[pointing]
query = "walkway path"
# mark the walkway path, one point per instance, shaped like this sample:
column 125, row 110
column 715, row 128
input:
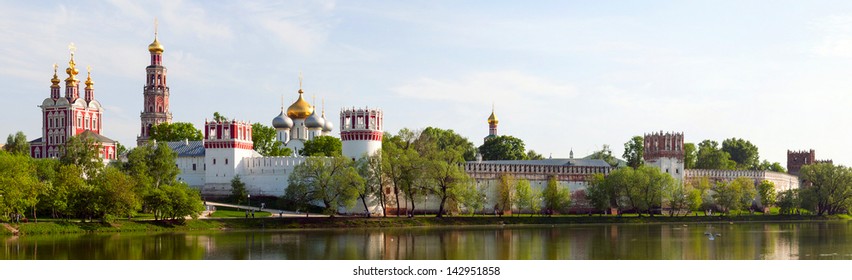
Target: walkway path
column 10, row 228
column 275, row 212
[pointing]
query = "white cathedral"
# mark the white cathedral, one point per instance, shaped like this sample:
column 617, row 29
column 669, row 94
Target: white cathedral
column 227, row 151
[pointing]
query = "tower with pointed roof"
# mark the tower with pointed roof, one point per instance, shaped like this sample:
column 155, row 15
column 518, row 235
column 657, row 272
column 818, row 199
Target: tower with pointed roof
column 155, row 94
column 70, row 115
column 492, row 124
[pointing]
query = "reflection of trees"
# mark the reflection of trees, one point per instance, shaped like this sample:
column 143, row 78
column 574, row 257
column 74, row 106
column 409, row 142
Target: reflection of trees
column 808, row 240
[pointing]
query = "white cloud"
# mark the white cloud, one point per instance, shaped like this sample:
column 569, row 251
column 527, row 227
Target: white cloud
column 506, row 87
column 835, row 33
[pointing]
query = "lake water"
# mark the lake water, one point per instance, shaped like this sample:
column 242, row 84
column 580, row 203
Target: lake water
column 739, row 241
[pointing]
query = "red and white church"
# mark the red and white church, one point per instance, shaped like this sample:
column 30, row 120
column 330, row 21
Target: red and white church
column 71, row 115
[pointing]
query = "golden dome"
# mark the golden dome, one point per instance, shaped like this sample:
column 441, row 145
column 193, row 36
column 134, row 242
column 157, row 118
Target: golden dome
column 89, row 81
column 492, row 119
column 156, row 47
column 55, row 81
column 300, row 109
column 72, row 72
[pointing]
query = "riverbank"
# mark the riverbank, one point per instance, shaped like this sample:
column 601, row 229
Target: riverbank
column 62, row 227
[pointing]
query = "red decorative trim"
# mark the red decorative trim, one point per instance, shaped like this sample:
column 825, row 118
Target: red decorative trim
column 361, row 135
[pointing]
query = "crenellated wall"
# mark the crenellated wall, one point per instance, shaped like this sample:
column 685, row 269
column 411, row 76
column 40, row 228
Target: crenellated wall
column 782, row 181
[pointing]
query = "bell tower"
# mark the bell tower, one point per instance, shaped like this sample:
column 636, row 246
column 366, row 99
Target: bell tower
column 155, row 93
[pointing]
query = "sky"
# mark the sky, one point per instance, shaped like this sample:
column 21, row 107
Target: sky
column 561, row 75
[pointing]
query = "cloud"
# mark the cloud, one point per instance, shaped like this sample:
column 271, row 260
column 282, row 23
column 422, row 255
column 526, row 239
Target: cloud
column 836, row 36
column 501, row 86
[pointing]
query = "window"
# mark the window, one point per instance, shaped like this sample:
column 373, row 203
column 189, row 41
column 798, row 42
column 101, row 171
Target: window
column 226, row 161
column 193, row 167
column 86, row 124
column 214, row 161
column 79, row 120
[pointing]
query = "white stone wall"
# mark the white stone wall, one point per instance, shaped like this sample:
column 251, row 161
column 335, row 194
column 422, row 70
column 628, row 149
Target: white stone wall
column 671, row 166
column 268, row 175
column 358, row 148
column 193, row 178
column 782, row 181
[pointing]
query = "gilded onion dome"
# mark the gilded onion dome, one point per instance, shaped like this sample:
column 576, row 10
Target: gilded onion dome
column 314, row 121
column 55, row 81
column 89, row 82
column 300, row 109
column 72, row 72
column 156, row 47
column 493, row 119
column 282, row 121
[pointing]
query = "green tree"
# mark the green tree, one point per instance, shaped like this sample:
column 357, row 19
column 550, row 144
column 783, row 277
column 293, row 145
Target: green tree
column 265, row 142
column 599, row 192
column 115, row 194
column 532, row 155
column 505, row 193
column 689, row 155
column 527, row 198
column 82, row 152
column 743, row 152
column 766, row 192
column 239, row 194
column 726, row 196
column 523, row 195
column 120, row 149
column 322, row 146
column 788, row 201
column 709, row 156
column 699, row 196
column 445, row 139
column 444, row 175
column 334, row 182
column 67, row 184
column 472, row 197
column 19, row 184
column 503, row 147
column 677, row 197
column 605, row 154
column 830, row 189
column 370, row 169
column 748, row 193
column 775, row 166
column 735, row 195
column 555, row 197
column 399, row 165
column 634, row 151
column 17, row 144
column 179, row 131
column 219, row 118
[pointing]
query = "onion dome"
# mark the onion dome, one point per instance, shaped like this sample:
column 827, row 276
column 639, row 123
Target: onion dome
column 55, row 81
column 89, row 82
column 156, row 47
column 72, row 72
column 282, row 121
column 493, row 119
column 327, row 126
column 300, row 109
column 314, row 121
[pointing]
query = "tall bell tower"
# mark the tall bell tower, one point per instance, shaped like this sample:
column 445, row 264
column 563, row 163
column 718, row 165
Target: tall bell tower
column 155, row 93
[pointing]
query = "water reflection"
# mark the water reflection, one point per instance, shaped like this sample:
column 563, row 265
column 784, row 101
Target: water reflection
column 818, row 240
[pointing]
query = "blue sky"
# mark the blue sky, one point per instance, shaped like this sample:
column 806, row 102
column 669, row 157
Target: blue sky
column 563, row 75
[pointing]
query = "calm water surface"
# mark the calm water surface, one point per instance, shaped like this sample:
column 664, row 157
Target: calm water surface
column 741, row 241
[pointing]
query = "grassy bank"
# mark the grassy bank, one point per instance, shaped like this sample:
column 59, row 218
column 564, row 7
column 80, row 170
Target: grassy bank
column 59, row 227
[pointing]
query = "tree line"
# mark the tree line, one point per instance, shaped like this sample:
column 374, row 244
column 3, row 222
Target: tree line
column 77, row 185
